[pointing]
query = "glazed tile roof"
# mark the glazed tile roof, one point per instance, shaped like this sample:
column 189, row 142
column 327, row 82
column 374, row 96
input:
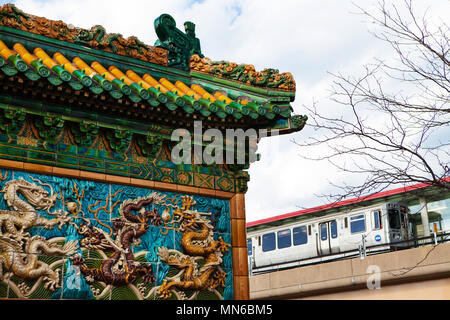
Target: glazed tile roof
column 35, row 63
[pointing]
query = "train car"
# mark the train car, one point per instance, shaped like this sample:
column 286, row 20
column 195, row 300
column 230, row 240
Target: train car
column 314, row 239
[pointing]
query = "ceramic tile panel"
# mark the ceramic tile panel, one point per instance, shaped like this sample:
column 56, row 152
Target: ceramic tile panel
column 65, row 238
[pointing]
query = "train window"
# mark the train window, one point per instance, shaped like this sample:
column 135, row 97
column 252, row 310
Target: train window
column 334, row 232
column 268, row 242
column 324, row 232
column 358, row 224
column 300, row 236
column 394, row 219
column 309, row 230
column 346, row 222
column 284, row 239
column 249, row 247
column 377, row 220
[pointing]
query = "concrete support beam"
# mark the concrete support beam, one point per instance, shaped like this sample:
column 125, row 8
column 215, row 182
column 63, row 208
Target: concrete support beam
column 424, row 216
column 424, row 263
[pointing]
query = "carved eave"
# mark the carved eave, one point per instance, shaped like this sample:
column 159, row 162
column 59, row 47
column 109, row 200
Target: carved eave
column 284, row 123
column 268, row 105
column 93, row 108
column 74, row 95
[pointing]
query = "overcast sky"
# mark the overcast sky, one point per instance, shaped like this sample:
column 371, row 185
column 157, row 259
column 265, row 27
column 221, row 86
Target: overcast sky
column 308, row 38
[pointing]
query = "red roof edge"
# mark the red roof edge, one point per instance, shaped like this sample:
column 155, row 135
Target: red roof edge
column 341, row 203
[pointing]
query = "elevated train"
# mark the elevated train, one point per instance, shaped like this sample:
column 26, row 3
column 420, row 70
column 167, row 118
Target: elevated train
column 315, row 239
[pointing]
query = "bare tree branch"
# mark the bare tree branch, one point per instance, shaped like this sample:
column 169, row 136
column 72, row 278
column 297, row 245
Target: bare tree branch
column 388, row 137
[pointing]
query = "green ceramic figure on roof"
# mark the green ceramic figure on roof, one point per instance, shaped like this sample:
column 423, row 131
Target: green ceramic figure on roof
column 180, row 46
column 194, row 42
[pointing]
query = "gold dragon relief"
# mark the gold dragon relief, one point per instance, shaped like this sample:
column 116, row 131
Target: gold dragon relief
column 200, row 261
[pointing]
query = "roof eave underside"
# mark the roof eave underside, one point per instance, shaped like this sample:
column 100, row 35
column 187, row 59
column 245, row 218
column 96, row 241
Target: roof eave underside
column 260, row 97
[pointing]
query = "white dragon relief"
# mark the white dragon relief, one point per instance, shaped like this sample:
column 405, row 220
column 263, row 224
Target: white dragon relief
column 19, row 252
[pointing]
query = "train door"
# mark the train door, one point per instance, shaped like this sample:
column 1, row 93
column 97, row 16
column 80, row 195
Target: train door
column 398, row 222
column 250, row 255
column 328, row 238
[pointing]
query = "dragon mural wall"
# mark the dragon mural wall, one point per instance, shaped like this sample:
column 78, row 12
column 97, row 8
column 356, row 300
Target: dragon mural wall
column 63, row 238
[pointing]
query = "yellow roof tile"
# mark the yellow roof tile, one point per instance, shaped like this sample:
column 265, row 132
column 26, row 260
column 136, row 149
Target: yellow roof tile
column 24, row 54
column 130, row 83
column 180, row 85
column 102, row 71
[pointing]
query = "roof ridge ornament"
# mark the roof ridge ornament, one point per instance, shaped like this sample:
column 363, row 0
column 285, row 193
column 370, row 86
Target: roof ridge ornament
column 245, row 73
column 180, row 46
